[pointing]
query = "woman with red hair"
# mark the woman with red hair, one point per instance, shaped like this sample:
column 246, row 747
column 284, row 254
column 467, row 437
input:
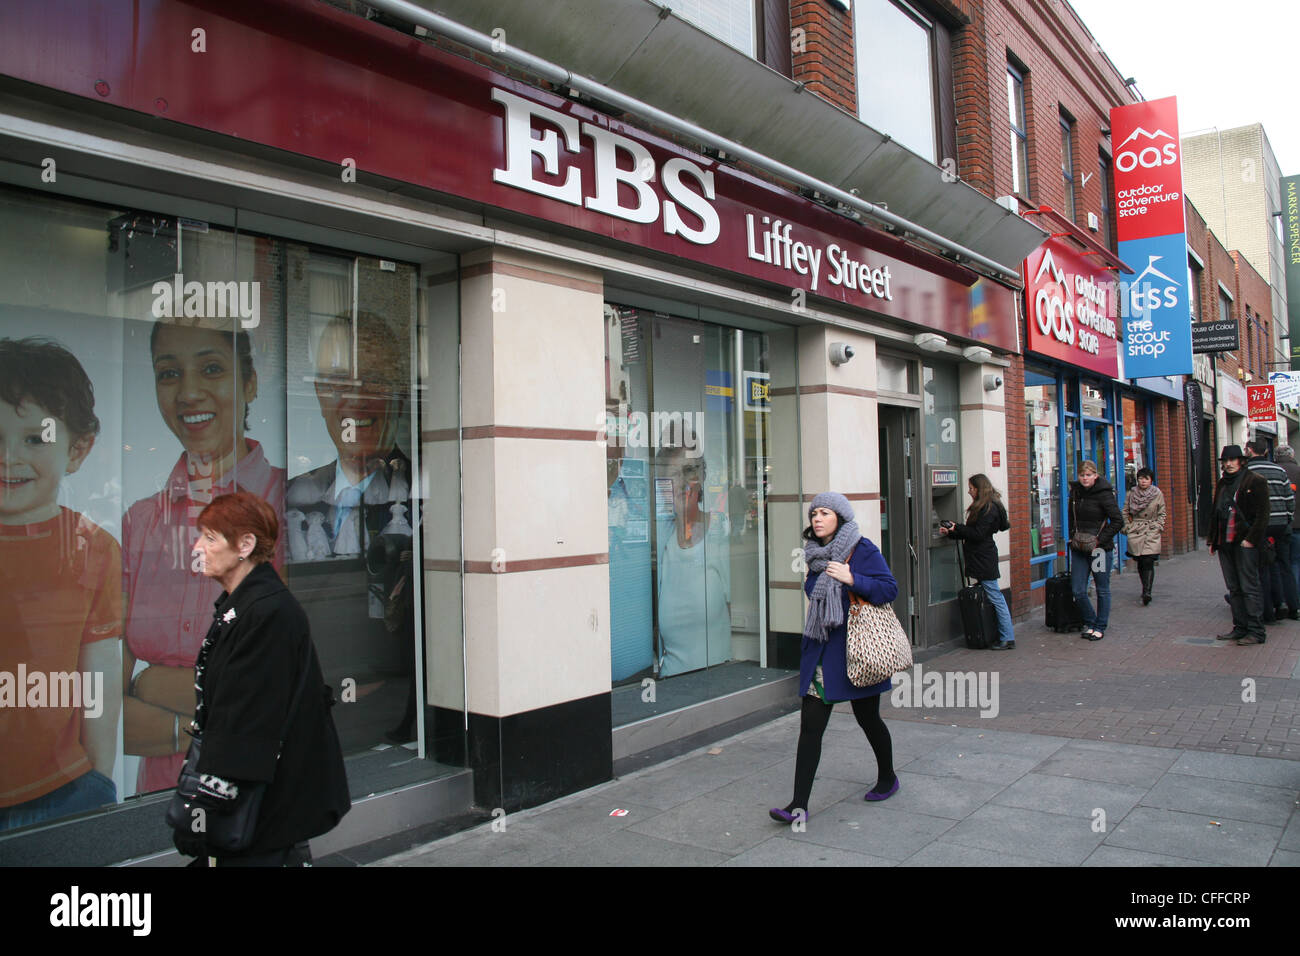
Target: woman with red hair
column 262, row 708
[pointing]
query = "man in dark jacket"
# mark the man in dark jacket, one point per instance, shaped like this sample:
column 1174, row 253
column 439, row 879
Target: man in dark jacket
column 1238, row 527
column 1285, row 456
column 1274, row 589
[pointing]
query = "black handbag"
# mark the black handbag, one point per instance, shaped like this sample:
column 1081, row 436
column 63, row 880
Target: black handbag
column 222, row 829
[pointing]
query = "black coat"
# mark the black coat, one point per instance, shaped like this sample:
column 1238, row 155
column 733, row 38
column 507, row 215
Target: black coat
column 981, row 552
column 1253, row 506
column 1095, row 511
column 249, row 679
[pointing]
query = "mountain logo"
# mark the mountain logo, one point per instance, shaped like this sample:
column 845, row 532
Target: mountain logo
column 1149, row 156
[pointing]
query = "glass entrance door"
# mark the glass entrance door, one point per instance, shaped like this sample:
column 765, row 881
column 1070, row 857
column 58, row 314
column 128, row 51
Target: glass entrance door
column 898, row 523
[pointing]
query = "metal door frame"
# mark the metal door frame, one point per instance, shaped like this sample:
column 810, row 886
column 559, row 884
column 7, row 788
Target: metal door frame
column 898, row 474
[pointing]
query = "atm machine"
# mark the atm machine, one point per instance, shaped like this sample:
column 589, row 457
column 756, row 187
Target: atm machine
column 944, row 502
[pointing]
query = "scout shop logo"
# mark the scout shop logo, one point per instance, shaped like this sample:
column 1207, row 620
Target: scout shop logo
column 1144, row 297
column 1149, row 156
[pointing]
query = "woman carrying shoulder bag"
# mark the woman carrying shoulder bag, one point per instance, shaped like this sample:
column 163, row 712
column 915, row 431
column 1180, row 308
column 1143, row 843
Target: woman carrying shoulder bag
column 265, row 767
column 985, row 517
column 1095, row 519
column 839, row 560
column 1144, row 523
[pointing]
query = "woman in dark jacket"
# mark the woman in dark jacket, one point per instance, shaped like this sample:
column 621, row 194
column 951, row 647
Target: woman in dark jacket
column 839, row 559
column 1094, row 514
column 985, row 517
column 257, row 662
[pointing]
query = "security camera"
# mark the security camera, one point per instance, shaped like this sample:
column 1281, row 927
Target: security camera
column 841, row 352
column 992, row 383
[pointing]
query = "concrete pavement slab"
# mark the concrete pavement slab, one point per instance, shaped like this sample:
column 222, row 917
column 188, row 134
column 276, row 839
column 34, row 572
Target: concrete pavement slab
column 1231, row 799
column 873, row 829
column 627, row 848
column 781, row 851
column 1106, row 855
column 1285, row 858
column 1120, row 767
column 936, row 796
column 943, row 853
column 712, row 824
column 1195, row 836
column 951, row 760
column 1053, row 837
column 1271, row 773
column 1078, row 799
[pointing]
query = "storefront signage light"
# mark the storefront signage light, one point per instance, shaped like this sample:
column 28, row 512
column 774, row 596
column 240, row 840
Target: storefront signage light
column 1149, row 206
column 413, row 113
column 1071, row 309
column 1261, row 403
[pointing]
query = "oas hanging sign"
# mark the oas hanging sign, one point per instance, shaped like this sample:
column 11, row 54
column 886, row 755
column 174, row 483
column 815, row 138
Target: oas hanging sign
column 1155, row 308
column 1071, row 309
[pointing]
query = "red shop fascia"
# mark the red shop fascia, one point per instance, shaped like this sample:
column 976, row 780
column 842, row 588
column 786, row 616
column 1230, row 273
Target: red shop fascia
column 1072, row 298
column 300, row 76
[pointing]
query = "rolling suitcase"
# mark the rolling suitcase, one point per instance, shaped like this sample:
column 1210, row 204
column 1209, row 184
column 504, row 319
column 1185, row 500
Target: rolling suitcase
column 1062, row 613
column 978, row 618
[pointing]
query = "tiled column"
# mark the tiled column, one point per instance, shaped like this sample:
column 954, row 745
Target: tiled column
column 535, row 528
column 983, row 436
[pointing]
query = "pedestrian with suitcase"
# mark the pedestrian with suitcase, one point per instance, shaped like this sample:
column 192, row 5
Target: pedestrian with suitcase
column 985, row 517
column 1144, row 524
column 839, row 560
column 1095, row 519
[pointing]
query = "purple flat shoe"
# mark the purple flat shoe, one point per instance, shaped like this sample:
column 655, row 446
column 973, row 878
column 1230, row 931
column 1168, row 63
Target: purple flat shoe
column 872, row 795
column 784, row 816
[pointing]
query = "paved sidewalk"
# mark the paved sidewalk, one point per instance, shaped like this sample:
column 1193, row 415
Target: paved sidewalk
column 1144, row 749
column 967, row 798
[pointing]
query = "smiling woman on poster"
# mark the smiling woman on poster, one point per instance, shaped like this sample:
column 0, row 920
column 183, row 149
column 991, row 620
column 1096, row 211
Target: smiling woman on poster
column 203, row 381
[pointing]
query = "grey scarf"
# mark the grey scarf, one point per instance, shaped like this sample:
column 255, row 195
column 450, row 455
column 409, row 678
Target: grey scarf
column 826, row 605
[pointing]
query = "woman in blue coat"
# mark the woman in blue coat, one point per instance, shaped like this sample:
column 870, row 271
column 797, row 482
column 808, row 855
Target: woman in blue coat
column 839, row 559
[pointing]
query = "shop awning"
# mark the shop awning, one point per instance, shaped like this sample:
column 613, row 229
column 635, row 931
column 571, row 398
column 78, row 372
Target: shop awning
column 639, row 49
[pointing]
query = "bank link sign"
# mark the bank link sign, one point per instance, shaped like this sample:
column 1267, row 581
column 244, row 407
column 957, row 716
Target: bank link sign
column 1156, row 311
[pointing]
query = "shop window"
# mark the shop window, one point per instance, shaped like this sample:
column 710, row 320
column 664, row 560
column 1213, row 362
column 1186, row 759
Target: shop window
column 896, row 72
column 1194, row 273
column 1019, row 131
column 731, row 21
column 894, row 373
column 175, row 361
column 1042, row 421
column 689, row 452
column 1136, row 451
column 1107, row 201
column 1067, row 165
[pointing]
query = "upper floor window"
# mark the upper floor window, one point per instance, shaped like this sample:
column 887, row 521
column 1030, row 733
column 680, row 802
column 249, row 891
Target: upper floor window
column 731, row 21
column 1193, row 284
column 1019, row 132
column 1225, row 307
column 1067, row 165
column 895, row 65
column 1103, row 180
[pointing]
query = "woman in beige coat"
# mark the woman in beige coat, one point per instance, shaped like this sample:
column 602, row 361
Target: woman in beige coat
column 1144, row 523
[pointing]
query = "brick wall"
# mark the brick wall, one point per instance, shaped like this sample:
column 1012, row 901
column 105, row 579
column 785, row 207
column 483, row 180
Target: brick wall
column 1017, row 491
column 822, row 52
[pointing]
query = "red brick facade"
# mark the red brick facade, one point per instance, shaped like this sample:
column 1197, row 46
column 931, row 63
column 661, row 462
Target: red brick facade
column 821, row 46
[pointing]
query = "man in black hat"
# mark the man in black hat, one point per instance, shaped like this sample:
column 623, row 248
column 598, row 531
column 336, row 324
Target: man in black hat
column 1237, row 532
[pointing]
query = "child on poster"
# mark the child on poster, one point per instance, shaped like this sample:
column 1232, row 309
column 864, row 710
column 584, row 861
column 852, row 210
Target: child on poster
column 60, row 597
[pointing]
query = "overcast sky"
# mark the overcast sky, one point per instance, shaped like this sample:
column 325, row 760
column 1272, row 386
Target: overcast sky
column 1222, row 61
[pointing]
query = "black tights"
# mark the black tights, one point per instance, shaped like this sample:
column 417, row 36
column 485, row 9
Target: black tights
column 813, row 719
